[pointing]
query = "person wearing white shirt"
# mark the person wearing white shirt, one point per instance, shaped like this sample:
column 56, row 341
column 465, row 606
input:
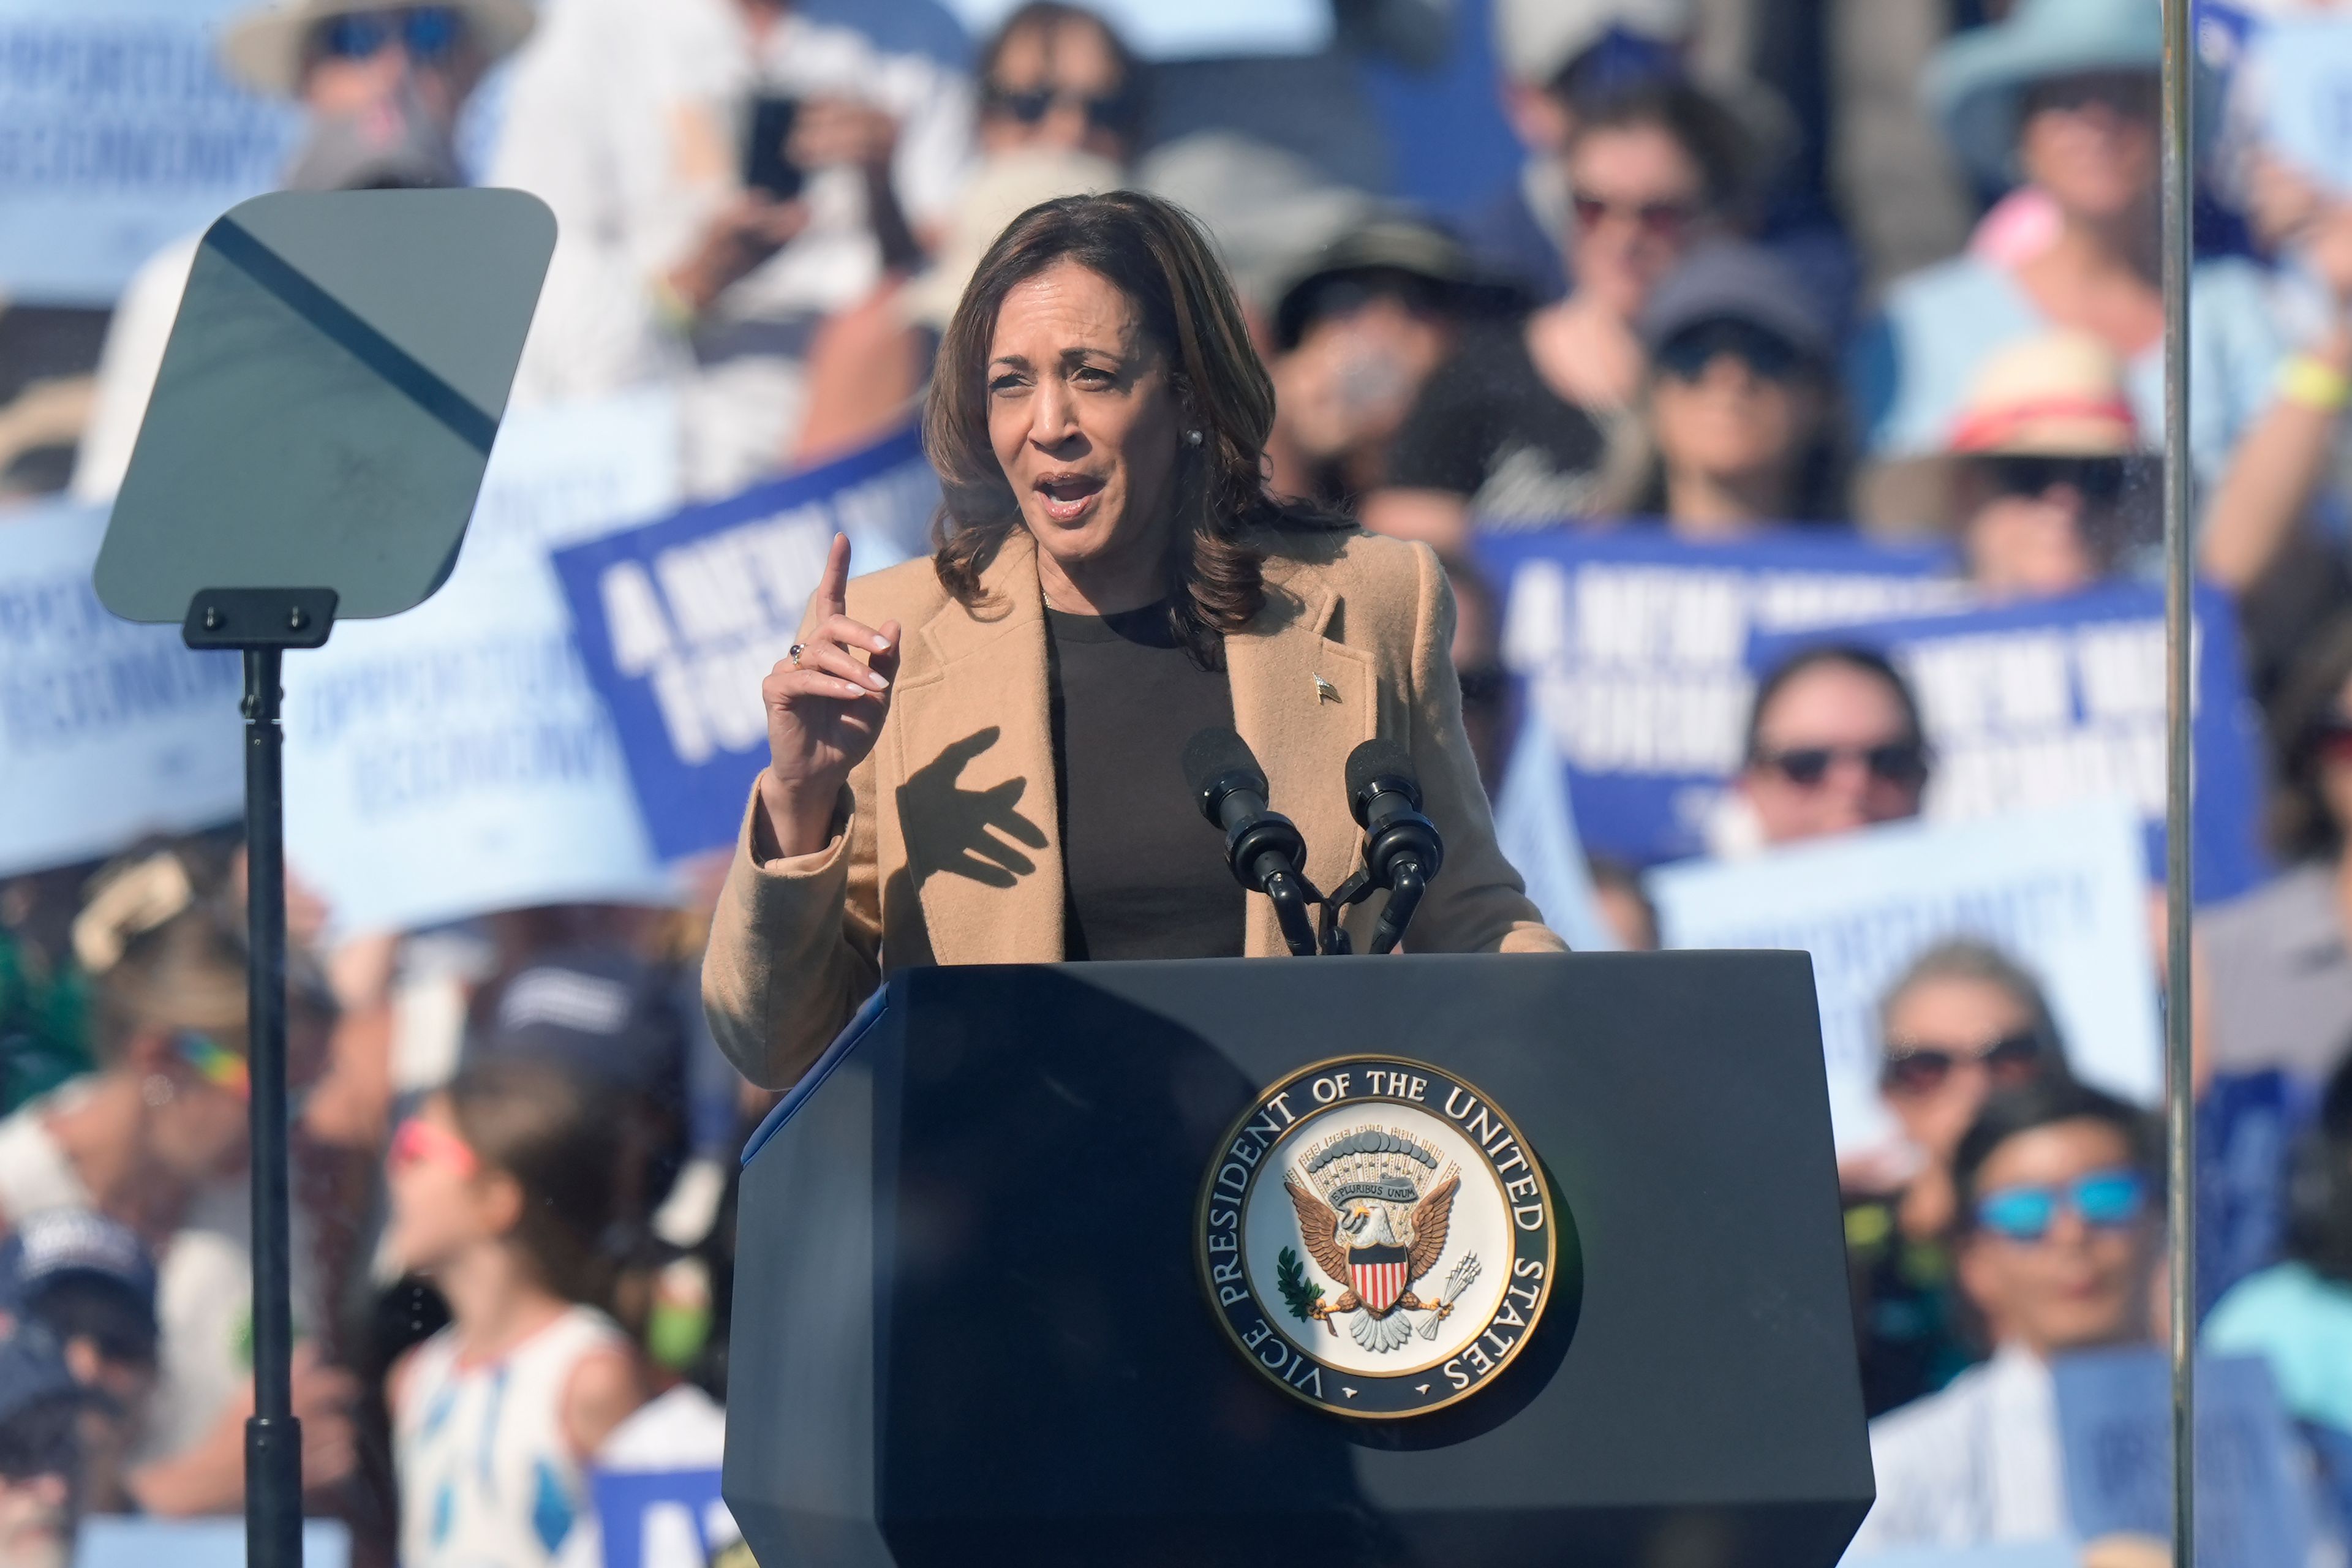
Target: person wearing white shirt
column 630, row 121
column 383, row 82
column 2058, row 1249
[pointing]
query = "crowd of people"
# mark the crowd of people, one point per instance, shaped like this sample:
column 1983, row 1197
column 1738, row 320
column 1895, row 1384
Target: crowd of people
column 1904, row 278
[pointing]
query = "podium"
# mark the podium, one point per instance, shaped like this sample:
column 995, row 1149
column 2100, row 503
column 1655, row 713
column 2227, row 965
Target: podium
column 973, row 1320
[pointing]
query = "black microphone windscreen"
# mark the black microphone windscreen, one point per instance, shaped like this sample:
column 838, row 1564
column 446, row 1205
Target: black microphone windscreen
column 1377, row 760
column 1217, row 752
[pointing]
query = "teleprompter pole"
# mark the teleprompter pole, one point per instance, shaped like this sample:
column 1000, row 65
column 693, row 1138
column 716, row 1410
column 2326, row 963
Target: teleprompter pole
column 273, row 1437
column 260, row 624
column 2180, row 1125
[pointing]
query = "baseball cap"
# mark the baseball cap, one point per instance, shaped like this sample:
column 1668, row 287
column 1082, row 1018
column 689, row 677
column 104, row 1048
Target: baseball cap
column 603, row 1014
column 72, row 1247
column 1739, row 282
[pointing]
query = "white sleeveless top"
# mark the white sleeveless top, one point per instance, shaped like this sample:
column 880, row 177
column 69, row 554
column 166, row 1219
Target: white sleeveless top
column 487, row 1477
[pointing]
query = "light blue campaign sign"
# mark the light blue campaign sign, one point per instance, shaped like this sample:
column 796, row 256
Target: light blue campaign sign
column 117, row 1541
column 452, row 760
column 108, row 729
column 2062, row 892
column 2042, row 702
column 2005, row 1554
column 1634, row 647
column 681, row 620
column 2299, row 69
column 118, row 134
column 2115, row 1433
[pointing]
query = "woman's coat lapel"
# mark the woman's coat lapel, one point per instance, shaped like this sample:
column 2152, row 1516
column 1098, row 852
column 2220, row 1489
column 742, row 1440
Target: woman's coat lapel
column 971, row 757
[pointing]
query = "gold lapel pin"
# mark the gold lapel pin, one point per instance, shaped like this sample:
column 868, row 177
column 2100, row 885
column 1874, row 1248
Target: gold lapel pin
column 1324, row 691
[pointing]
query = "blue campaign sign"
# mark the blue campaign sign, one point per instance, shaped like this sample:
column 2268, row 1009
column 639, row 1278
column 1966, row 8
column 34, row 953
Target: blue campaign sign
column 1633, row 647
column 2044, row 702
column 118, row 134
column 2247, row 1124
column 661, row 1519
column 2114, row 1435
column 680, row 620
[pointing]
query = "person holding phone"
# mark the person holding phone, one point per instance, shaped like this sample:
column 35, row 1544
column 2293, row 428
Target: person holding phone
column 726, row 175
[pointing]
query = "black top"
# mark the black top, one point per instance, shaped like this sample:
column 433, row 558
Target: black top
column 1145, row 871
column 1489, row 428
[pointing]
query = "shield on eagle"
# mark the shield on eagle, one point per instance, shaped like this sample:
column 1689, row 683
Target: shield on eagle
column 1379, row 1274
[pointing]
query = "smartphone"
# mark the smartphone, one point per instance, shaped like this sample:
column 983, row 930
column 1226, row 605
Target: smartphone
column 765, row 166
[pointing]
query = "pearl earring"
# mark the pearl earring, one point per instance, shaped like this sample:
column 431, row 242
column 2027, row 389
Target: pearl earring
column 1192, row 437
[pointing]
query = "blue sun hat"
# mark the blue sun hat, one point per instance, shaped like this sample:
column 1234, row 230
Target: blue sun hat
column 1974, row 86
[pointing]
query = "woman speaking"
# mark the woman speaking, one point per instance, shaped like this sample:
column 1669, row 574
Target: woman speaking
column 975, row 758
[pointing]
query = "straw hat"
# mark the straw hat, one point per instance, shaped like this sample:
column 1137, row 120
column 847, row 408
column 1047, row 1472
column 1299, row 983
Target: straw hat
column 1002, row 190
column 1975, row 85
column 2061, row 396
column 263, row 47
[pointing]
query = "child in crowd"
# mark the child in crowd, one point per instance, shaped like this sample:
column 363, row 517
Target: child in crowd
column 502, row 1190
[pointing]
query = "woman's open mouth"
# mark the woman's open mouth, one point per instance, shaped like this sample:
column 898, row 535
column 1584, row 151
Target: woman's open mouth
column 1067, row 496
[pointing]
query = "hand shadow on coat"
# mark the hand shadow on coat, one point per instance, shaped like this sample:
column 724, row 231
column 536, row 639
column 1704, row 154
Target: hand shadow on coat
column 955, row 823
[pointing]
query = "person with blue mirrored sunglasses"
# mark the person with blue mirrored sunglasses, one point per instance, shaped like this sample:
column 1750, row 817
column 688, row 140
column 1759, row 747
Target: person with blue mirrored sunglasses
column 2103, row 1200
column 2059, row 1227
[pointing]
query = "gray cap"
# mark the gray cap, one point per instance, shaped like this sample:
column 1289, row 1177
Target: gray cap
column 1739, row 282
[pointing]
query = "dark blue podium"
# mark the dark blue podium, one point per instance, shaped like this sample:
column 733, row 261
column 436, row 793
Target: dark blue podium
column 971, row 1327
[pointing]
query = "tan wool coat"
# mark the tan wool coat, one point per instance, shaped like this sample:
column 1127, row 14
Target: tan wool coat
column 946, row 849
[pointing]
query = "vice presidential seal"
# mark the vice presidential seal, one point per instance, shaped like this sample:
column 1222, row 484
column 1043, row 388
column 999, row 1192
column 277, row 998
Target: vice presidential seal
column 1376, row 1237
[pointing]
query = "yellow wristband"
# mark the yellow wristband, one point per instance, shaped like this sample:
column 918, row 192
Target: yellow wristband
column 2310, row 382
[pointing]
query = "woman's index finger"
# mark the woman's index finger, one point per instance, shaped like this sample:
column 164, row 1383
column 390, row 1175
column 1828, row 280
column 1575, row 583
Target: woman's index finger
column 832, row 588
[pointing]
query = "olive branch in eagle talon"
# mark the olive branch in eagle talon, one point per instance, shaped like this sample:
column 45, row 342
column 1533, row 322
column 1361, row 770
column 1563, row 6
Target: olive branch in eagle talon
column 1329, row 1238
column 1299, row 1292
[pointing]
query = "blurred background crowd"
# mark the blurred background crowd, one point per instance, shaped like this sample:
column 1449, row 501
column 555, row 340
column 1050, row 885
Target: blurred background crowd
column 1717, row 272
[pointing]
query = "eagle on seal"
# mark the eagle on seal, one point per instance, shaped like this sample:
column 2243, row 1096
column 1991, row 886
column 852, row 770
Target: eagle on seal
column 1354, row 1249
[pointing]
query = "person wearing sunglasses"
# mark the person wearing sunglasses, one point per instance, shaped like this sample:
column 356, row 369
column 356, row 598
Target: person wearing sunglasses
column 1514, row 428
column 1061, row 112
column 1058, row 76
column 2060, row 1217
column 1963, row 1022
column 2052, row 481
column 155, row 1139
column 1835, row 743
column 1735, row 414
column 2057, row 103
column 380, row 85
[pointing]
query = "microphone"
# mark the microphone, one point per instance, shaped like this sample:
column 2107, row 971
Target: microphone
column 1402, row 849
column 1262, row 848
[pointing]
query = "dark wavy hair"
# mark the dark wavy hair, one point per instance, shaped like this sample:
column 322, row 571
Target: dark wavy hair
column 1155, row 254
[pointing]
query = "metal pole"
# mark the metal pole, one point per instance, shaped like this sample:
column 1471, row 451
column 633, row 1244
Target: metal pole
column 2181, row 1204
column 273, row 1438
